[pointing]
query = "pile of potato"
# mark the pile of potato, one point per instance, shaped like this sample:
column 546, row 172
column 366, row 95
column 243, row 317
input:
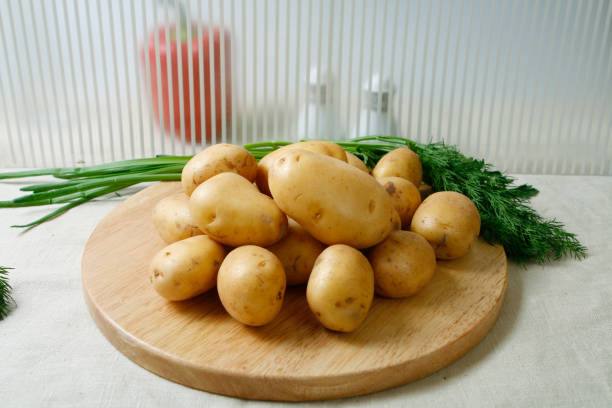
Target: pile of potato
column 306, row 213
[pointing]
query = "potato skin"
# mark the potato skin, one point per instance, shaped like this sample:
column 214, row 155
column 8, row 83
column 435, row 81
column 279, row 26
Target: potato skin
column 186, row 268
column 403, row 264
column 330, row 149
column 318, row 146
column 405, row 196
column 251, row 285
column 356, row 162
column 297, row 251
column 263, row 168
column 341, row 288
column 449, row 221
column 231, row 210
column 172, row 219
column 396, row 221
column 401, row 162
column 335, row 202
column 215, row 159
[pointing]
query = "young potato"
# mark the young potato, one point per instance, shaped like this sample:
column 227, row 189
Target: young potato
column 215, row 159
column 403, row 264
column 263, row 168
column 341, row 288
column 330, row 149
column 172, row 218
column 318, row 146
column 297, row 252
column 251, row 285
column 356, row 162
column 186, row 268
column 406, row 197
column 396, row 222
column 426, row 190
column 449, row 221
column 232, row 211
column 401, row 162
column 335, row 202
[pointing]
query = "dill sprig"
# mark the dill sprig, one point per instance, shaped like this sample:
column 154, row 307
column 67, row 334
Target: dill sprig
column 506, row 216
column 6, row 300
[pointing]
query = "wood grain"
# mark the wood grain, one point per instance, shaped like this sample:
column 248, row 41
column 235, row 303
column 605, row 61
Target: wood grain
column 196, row 343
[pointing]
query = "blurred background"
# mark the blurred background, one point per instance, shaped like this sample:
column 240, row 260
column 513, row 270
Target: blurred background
column 525, row 84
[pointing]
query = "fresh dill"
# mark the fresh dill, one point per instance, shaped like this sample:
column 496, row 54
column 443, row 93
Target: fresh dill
column 7, row 303
column 506, row 216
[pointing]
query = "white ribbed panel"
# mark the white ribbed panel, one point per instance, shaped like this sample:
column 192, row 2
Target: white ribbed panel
column 307, row 74
column 191, row 82
column 222, row 51
column 116, row 83
column 402, row 82
column 424, row 68
column 10, row 132
column 234, row 137
column 73, row 84
column 265, row 40
column 275, row 68
column 373, row 48
column 211, row 55
column 139, row 93
column 146, row 75
column 245, row 118
column 358, row 87
column 17, row 61
column 181, row 101
column 169, row 80
column 526, row 84
column 297, row 69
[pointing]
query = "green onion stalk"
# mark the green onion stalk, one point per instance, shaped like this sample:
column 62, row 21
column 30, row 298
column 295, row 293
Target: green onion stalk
column 504, row 208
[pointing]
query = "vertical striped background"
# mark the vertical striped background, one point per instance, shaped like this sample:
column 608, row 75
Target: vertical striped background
column 526, row 84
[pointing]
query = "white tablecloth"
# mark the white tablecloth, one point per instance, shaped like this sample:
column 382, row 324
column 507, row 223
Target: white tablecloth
column 551, row 346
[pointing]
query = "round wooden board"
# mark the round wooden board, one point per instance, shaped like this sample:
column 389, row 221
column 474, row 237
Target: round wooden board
column 196, row 343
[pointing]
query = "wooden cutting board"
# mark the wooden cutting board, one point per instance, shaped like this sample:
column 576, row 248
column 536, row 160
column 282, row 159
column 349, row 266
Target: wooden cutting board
column 196, row 343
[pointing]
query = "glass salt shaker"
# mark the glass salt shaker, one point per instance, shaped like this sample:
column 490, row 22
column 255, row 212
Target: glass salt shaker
column 376, row 116
column 319, row 119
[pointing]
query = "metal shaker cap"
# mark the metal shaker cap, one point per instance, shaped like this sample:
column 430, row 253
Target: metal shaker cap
column 319, row 86
column 384, row 87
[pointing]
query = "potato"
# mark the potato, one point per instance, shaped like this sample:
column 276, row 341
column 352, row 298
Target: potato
column 449, row 221
column 335, row 202
column 172, row 218
column 401, row 162
column 426, row 190
column 218, row 158
column 330, row 149
column 405, row 196
column 232, row 211
column 186, row 268
column 403, row 264
column 397, row 221
column 251, row 285
column 341, row 288
column 263, row 167
column 297, row 252
column 318, row 146
column 356, row 162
